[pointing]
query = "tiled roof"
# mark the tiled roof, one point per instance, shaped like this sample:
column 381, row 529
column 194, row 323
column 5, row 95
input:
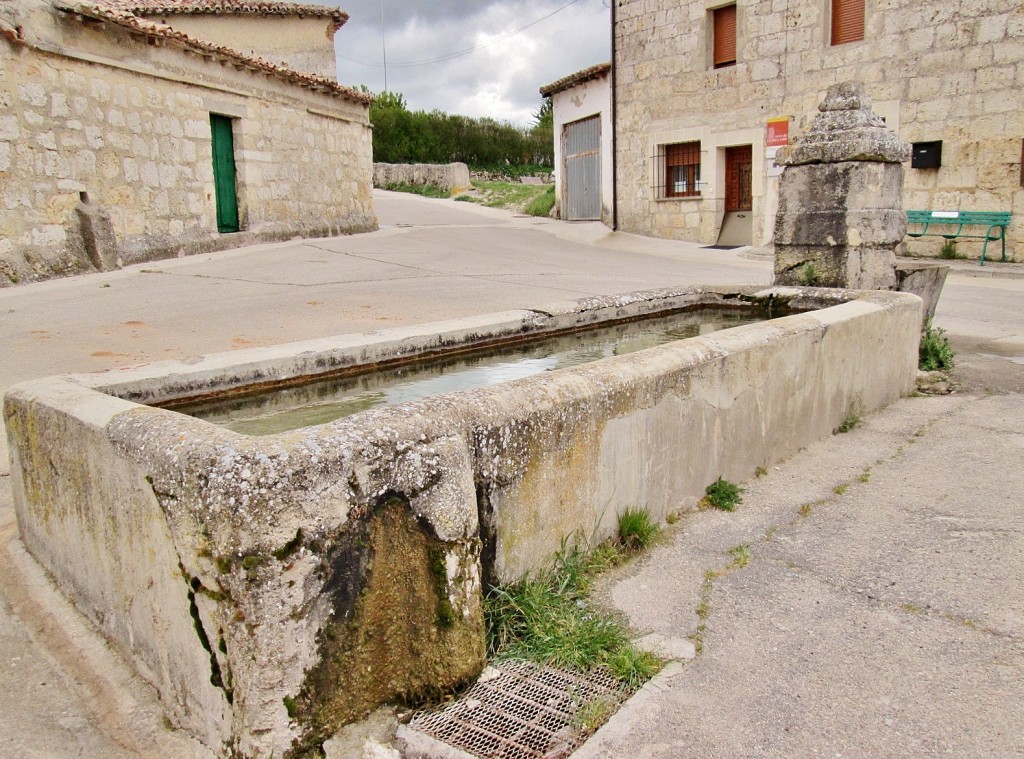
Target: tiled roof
column 238, row 7
column 105, row 11
column 567, row 82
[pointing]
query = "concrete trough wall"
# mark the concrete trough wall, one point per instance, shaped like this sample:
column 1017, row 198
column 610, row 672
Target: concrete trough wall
column 235, row 572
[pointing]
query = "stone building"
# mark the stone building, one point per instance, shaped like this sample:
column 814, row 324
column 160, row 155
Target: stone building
column 131, row 131
column 705, row 90
column 581, row 111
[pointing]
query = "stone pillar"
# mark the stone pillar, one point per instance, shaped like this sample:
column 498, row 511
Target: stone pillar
column 840, row 212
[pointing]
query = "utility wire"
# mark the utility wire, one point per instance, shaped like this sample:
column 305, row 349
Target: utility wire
column 467, row 51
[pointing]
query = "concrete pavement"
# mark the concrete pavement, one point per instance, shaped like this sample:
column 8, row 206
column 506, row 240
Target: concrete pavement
column 808, row 636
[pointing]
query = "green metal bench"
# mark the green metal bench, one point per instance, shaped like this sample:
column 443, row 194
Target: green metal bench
column 995, row 223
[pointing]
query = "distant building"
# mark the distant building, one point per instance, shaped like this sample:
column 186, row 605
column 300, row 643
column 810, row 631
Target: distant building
column 131, row 131
column 581, row 107
column 704, row 90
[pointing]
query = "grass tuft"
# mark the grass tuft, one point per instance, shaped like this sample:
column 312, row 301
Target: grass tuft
column 636, row 529
column 542, row 204
column 426, row 190
column 546, row 618
column 948, row 250
column 723, row 495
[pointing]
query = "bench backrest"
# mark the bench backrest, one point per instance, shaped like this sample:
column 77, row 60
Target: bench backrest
column 959, row 217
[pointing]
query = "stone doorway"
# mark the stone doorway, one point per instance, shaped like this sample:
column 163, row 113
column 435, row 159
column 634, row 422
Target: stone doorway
column 737, row 224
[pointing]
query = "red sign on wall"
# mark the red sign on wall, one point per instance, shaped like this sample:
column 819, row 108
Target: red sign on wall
column 778, row 132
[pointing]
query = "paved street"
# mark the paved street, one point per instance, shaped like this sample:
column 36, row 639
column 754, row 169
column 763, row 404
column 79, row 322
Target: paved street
column 860, row 629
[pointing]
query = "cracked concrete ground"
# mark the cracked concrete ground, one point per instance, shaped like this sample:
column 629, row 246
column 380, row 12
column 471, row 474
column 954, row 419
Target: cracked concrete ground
column 886, row 621
column 881, row 612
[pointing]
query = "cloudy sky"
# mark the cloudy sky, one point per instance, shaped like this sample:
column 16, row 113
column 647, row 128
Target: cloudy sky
column 426, row 43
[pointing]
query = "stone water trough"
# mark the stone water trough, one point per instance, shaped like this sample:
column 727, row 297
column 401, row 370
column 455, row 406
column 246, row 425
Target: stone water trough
column 273, row 588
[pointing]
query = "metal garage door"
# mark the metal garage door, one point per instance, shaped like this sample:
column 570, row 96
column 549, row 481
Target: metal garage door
column 581, row 146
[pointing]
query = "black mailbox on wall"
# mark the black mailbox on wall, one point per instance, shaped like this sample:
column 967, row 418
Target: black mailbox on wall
column 926, row 155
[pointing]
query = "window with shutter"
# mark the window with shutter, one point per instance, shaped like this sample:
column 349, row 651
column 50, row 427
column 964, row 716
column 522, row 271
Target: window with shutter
column 682, row 170
column 725, row 36
column 847, row 21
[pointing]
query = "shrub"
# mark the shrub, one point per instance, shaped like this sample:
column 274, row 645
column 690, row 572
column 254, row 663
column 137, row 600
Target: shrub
column 935, row 352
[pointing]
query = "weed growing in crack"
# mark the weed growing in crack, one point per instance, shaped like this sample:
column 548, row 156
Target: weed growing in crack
column 841, row 488
column 934, row 353
column 740, row 556
column 723, row 495
column 809, row 275
column 593, row 714
column 854, row 417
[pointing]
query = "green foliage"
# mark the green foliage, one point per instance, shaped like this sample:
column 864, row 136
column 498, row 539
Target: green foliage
column 426, row 190
column 636, row 529
column 740, row 556
column 542, row 204
column 949, row 251
column 508, row 194
column 852, row 421
column 404, row 136
column 290, row 706
column 546, row 618
column 935, row 352
column 724, row 495
column 808, row 275
column 593, row 714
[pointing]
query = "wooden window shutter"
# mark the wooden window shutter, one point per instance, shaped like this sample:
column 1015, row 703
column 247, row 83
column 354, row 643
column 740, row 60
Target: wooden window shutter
column 847, row 21
column 725, row 36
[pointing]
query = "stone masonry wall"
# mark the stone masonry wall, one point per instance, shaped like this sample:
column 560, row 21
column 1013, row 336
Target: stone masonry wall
column 449, row 177
column 950, row 70
column 87, row 114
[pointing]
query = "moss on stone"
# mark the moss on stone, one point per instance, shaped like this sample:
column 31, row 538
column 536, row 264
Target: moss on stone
column 379, row 646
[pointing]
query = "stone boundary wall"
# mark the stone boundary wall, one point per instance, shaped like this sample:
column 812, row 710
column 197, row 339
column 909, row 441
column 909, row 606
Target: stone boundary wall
column 215, row 562
column 104, row 118
column 452, row 178
column 949, row 70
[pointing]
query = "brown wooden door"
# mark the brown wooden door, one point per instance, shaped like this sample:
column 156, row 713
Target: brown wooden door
column 739, row 165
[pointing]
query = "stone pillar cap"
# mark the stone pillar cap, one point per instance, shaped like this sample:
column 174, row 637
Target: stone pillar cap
column 845, row 129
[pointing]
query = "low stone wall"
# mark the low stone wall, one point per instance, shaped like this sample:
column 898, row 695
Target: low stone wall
column 449, row 177
column 233, row 572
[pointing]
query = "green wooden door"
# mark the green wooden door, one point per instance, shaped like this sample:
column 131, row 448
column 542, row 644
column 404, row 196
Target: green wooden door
column 224, row 173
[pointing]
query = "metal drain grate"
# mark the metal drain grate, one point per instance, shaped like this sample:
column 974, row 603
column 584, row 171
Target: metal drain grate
column 526, row 711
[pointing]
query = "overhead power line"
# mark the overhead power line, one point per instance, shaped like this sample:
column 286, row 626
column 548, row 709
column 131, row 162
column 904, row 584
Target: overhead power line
column 466, row 51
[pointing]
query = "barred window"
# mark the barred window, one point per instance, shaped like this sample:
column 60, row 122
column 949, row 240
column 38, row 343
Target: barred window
column 677, row 170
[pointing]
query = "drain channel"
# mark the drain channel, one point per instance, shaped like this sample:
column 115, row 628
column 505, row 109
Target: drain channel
column 525, row 711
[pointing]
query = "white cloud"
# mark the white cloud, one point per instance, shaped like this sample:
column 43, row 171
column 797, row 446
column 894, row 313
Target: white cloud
column 500, row 80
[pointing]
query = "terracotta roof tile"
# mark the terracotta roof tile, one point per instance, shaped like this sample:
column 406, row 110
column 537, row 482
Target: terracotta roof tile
column 567, row 82
column 106, row 11
column 240, row 7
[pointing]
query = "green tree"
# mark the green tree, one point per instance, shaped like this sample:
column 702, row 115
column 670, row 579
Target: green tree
column 404, row 136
